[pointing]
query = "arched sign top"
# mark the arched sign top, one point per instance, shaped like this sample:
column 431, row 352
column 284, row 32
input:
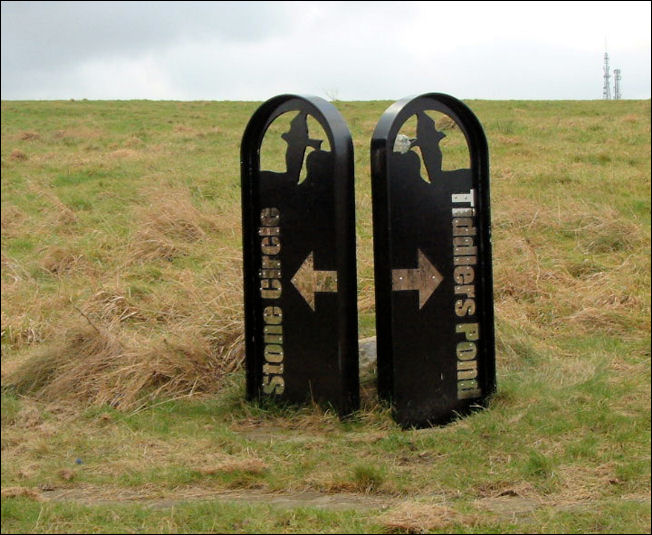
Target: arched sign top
column 391, row 121
column 339, row 137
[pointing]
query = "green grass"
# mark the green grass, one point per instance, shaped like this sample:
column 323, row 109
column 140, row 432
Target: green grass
column 22, row 516
column 122, row 321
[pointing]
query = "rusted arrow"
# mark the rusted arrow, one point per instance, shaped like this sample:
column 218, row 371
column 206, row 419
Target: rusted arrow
column 425, row 278
column 308, row 281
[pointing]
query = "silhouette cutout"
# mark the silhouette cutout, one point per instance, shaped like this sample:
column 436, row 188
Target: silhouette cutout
column 298, row 142
column 427, row 140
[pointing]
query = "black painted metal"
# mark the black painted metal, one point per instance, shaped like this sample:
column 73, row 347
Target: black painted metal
column 309, row 228
column 418, row 333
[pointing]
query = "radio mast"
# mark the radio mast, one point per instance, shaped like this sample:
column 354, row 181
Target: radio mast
column 617, row 94
column 606, row 89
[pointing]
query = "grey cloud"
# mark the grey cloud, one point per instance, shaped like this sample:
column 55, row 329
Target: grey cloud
column 52, row 35
column 356, row 50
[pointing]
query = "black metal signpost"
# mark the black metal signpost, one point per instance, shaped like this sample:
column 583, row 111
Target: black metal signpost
column 432, row 249
column 299, row 259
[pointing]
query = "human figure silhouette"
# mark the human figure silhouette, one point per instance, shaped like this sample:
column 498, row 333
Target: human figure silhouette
column 298, row 140
column 428, row 140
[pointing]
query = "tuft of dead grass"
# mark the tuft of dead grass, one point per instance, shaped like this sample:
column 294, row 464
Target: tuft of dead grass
column 168, row 226
column 508, row 140
column 171, row 226
column 60, row 260
column 181, row 221
column 598, row 319
column 107, row 366
column 110, row 304
column 579, row 483
column 133, row 141
column 17, row 333
column 183, row 129
column 66, row 474
column 498, row 489
column 120, row 154
column 62, row 215
column 81, row 133
column 11, row 218
column 150, row 244
column 412, row 517
column 29, row 136
column 12, row 270
column 605, row 232
column 446, row 123
column 28, row 417
column 245, row 466
column 20, row 492
column 18, row 155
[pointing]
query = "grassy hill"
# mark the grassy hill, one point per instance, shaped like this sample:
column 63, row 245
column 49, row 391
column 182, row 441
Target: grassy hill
column 122, row 380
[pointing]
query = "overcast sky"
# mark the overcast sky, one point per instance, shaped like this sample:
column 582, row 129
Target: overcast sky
column 343, row 50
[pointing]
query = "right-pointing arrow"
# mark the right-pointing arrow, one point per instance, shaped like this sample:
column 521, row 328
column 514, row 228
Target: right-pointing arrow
column 425, row 278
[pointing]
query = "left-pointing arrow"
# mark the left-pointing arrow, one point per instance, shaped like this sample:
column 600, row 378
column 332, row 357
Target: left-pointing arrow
column 308, row 281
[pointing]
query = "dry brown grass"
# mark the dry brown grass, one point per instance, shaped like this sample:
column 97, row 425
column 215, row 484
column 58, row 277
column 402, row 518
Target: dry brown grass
column 22, row 492
column 580, row 483
column 181, row 128
column 104, row 365
column 114, row 303
column 123, row 153
column 168, row 225
column 105, row 344
column 17, row 155
column 60, row 260
column 246, row 466
column 79, row 132
column 66, row 474
column 498, row 489
column 604, row 232
column 420, row 518
column 61, row 217
column 29, row 136
column 594, row 296
column 99, row 338
column 12, row 217
column 25, row 318
column 151, row 244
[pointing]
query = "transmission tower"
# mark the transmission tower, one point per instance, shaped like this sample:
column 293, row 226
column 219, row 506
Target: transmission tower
column 617, row 95
column 606, row 89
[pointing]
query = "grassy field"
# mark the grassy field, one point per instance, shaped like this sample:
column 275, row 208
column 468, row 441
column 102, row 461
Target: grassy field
column 122, row 383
